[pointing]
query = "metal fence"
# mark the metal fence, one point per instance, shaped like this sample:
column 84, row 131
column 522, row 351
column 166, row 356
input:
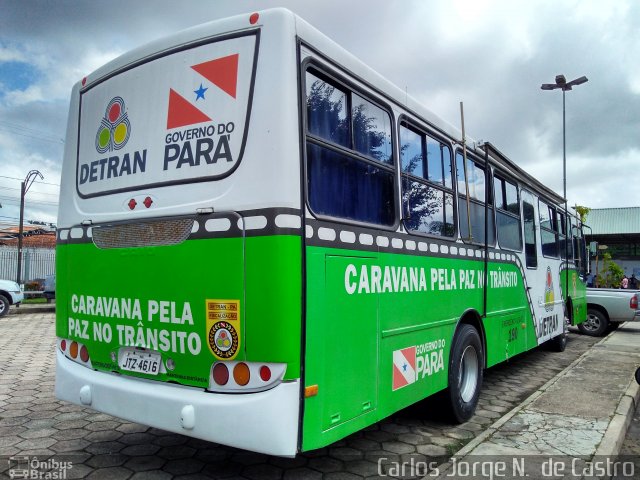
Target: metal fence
column 36, row 263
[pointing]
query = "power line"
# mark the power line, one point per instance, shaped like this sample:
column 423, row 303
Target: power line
column 10, row 200
column 58, row 141
column 31, row 191
column 36, row 181
column 29, row 132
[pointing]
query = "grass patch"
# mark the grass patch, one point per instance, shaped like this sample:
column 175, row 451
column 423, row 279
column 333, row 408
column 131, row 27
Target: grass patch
column 32, row 301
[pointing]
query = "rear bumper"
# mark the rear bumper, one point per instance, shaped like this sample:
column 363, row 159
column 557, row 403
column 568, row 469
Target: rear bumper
column 17, row 297
column 265, row 422
column 636, row 318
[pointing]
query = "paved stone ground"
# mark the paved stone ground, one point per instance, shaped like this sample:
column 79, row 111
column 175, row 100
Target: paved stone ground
column 34, row 423
column 630, row 451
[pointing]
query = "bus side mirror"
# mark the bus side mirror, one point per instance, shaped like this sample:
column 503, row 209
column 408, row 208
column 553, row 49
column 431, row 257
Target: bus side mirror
column 593, row 248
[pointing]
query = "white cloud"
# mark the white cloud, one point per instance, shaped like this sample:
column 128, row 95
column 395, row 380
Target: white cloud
column 10, row 54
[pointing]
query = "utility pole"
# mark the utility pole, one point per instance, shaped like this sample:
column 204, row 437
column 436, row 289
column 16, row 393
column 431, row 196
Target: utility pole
column 24, row 188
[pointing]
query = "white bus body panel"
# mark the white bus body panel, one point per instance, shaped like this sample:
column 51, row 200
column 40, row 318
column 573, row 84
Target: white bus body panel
column 267, row 175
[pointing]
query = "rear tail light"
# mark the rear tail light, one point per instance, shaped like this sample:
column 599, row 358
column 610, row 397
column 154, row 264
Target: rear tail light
column 84, row 354
column 265, row 373
column 633, row 303
column 220, row 374
column 245, row 377
column 75, row 351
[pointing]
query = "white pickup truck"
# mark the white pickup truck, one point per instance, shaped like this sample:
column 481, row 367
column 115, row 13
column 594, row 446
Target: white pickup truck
column 607, row 308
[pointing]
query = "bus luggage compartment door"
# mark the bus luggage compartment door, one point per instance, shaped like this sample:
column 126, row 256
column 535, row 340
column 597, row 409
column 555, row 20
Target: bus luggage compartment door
column 342, row 345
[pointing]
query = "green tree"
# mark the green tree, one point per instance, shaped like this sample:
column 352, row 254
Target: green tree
column 611, row 273
column 582, row 212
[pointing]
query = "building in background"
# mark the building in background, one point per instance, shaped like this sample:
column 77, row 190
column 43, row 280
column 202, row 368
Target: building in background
column 619, row 230
column 38, row 252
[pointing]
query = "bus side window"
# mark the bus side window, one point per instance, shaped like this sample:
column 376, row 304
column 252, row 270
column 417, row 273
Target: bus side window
column 427, row 190
column 477, row 183
column 529, row 214
column 371, row 130
column 580, row 251
column 327, row 111
column 548, row 230
column 507, row 214
column 350, row 171
column 575, row 234
column 562, row 246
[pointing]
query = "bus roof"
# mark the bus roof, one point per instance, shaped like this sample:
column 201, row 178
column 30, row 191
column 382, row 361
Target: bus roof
column 315, row 39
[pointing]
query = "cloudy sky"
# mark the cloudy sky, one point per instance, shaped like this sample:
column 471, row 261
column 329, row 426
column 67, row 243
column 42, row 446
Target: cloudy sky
column 491, row 54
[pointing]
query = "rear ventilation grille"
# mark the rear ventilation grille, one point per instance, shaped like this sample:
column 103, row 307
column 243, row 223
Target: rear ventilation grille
column 143, row 234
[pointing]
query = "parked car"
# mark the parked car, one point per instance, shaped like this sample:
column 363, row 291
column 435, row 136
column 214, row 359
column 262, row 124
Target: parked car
column 50, row 287
column 607, row 308
column 10, row 294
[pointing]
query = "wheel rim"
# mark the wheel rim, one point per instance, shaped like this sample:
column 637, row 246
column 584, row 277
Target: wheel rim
column 469, row 367
column 592, row 323
column 2, row 307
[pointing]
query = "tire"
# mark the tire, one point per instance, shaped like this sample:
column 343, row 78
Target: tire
column 559, row 343
column 596, row 323
column 4, row 305
column 466, row 361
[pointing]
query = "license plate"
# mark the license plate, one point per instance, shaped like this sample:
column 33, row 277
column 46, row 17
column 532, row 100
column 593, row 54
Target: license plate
column 140, row 361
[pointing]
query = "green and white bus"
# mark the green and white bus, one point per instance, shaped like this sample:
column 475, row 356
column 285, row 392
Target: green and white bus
column 265, row 244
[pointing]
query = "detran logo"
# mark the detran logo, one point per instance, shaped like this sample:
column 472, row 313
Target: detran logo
column 115, row 129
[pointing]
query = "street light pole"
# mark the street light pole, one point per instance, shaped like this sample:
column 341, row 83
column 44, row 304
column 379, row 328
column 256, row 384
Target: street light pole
column 561, row 83
column 24, row 188
column 564, row 154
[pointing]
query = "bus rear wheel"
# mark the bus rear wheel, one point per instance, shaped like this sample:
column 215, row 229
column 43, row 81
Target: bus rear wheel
column 465, row 373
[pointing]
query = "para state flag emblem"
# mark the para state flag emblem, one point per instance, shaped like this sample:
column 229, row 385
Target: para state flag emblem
column 194, row 106
column 404, row 367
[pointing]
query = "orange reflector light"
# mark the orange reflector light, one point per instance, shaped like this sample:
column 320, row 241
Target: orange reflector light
column 84, row 354
column 220, row 374
column 73, row 350
column 253, row 19
column 241, row 374
column 310, row 391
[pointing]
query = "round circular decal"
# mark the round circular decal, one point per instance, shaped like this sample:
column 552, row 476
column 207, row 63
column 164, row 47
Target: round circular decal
column 223, row 339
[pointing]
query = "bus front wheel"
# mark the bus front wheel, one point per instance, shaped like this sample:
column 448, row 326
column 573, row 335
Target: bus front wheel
column 465, row 373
